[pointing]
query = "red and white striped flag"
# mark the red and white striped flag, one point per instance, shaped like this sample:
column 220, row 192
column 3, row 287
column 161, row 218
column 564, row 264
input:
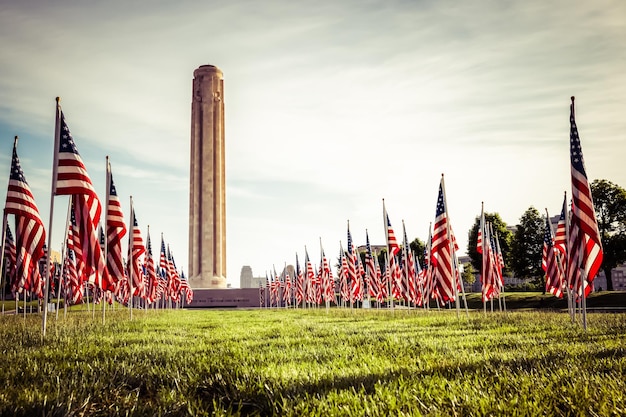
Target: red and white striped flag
column 560, row 237
column 370, row 267
column 586, row 252
column 392, row 242
column 136, row 244
column 29, row 231
column 299, row 282
column 116, row 230
column 151, row 276
column 74, row 287
column 10, row 256
column 550, row 263
column 441, row 255
column 72, row 179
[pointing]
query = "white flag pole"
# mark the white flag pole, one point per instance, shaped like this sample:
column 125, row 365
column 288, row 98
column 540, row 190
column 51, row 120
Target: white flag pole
column 55, row 163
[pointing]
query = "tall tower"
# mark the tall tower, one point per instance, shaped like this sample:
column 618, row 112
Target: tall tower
column 207, row 190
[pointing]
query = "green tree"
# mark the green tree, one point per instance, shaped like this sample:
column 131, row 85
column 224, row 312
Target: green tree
column 418, row 247
column 504, row 237
column 527, row 246
column 468, row 273
column 609, row 201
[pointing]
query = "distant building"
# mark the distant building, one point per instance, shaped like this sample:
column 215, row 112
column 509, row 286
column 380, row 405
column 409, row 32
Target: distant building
column 618, row 276
column 246, row 280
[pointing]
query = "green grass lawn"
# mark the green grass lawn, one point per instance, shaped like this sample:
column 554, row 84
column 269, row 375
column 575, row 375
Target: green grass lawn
column 294, row 362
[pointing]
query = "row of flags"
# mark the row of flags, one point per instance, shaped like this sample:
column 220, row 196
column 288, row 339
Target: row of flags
column 400, row 279
column 571, row 258
column 91, row 254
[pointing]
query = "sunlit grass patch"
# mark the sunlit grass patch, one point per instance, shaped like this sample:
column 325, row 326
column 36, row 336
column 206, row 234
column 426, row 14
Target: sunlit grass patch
column 313, row 362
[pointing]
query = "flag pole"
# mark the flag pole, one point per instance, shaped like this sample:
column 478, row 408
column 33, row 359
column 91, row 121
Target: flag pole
column 55, row 161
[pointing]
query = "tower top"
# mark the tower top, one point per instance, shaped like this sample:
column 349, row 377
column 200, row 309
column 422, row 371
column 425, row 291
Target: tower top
column 207, row 69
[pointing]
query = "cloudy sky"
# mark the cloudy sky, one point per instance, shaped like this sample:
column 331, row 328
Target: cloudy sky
column 330, row 107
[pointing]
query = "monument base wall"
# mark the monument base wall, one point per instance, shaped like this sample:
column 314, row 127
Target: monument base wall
column 225, row 298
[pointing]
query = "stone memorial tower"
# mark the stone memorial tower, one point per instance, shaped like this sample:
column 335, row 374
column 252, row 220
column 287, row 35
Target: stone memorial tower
column 207, row 188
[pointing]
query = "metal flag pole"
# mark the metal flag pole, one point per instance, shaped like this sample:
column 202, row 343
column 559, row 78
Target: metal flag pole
column 55, row 162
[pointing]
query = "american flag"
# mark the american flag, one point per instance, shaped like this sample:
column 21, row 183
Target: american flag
column 481, row 228
column 560, row 237
column 287, row 287
column 496, row 273
column 73, row 284
column 550, row 263
column 355, row 278
column 165, row 269
column 351, row 272
column 72, row 179
column 138, row 249
column 310, row 289
column 75, row 244
column 327, row 278
column 185, row 288
column 499, row 260
column 72, row 176
column 441, row 256
column 152, row 280
column 584, row 236
column 392, row 243
column 489, row 275
column 408, row 268
column 30, row 234
column 396, row 278
column 275, row 288
column 299, row 282
column 370, row 266
column 268, row 281
column 411, row 275
column 116, row 230
column 382, row 283
column 174, row 276
column 10, row 256
column 344, row 287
